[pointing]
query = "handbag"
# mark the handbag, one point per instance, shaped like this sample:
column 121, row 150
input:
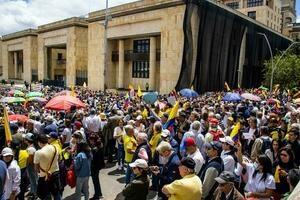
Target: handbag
column 71, row 176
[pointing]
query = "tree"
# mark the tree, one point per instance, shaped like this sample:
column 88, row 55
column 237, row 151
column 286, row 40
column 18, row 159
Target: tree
column 287, row 71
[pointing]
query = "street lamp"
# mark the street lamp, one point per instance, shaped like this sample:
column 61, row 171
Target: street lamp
column 283, row 53
column 272, row 60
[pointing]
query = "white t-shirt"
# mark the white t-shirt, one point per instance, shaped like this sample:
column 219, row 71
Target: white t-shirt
column 198, row 158
column 255, row 184
column 229, row 162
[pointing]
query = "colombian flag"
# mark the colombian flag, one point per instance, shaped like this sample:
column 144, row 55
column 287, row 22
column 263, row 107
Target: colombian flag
column 234, row 133
column 8, row 137
column 172, row 116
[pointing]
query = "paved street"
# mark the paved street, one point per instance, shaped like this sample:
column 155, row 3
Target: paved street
column 112, row 182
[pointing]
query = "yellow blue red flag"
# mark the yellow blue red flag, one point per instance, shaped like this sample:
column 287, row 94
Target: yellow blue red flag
column 172, row 116
column 234, row 133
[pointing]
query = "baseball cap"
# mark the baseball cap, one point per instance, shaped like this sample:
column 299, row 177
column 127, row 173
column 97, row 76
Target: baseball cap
column 230, row 119
column 139, row 163
column 190, row 142
column 29, row 137
column 225, row 177
column 188, row 162
column 214, row 145
column 53, row 135
column 7, row 152
column 165, row 133
column 138, row 118
column 227, row 140
column 77, row 124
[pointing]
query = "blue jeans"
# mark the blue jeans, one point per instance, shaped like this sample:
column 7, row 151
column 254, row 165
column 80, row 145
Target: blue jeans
column 82, row 186
column 128, row 176
column 120, row 154
column 33, row 179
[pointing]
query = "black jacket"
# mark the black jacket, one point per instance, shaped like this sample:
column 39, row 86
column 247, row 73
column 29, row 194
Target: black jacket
column 137, row 189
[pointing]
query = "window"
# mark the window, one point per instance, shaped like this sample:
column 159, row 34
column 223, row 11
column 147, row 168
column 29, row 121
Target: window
column 252, row 14
column 254, row 3
column 59, row 56
column 233, row 5
column 140, row 68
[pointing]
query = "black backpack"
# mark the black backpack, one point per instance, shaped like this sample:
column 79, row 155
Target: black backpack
column 266, row 144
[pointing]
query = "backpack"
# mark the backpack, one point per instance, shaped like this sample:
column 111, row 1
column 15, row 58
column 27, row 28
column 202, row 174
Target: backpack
column 266, row 144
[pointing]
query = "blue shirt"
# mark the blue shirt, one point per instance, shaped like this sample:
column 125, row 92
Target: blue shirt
column 3, row 172
column 83, row 165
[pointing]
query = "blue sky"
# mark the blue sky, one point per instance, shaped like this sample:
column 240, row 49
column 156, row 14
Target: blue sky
column 298, row 10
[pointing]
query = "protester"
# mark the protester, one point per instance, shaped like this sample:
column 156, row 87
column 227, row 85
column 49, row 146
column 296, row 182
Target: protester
column 194, row 153
column 3, row 176
column 261, row 183
column 46, row 164
column 189, row 187
column 211, row 169
column 12, row 183
column 97, row 163
column 82, row 170
column 226, row 189
column 137, row 189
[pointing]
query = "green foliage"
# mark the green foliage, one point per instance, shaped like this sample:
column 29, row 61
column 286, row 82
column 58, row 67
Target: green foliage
column 287, row 71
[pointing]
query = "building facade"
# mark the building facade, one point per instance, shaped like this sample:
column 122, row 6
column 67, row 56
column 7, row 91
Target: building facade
column 267, row 12
column 288, row 10
column 146, row 45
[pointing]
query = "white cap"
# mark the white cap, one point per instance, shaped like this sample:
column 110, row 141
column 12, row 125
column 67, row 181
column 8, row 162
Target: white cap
column 227, row 140
column 165, row 133
column 138, row 118
column 7, row 152
column 139, row 163
column 49, row 118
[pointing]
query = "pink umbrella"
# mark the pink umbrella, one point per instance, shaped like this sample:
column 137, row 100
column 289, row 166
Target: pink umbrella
column 251, row 97
column 64, row 103
column 21, row 118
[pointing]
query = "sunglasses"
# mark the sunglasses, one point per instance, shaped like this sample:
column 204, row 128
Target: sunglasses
column 222, row 184
column 284, row 155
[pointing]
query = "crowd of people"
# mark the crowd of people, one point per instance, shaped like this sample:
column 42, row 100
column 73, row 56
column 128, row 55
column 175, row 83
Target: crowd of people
column 182, row 150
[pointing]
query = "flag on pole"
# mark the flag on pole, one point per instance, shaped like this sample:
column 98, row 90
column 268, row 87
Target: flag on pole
column 234, row 133
column 227, row 87
column 172, row 116
column 8, row 137
column 25, row 103
column 72, row 91
column 130, row 86
column 140, row 94
column 126, row 96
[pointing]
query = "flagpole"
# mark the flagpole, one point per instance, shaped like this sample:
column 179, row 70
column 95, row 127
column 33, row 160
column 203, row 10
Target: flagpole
column 105, row 44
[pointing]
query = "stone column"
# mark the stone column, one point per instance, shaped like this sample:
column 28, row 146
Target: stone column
column 152, row 63
column 15, row 64
column 121, row 65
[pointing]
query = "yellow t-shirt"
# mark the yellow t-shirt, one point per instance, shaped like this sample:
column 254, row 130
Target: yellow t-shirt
column 129, row 143
column 23, row 155
column 57, row 144
column 154, row 141
column 187, row 188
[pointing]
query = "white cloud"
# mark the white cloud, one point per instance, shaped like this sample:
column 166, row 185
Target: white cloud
column 17, row 15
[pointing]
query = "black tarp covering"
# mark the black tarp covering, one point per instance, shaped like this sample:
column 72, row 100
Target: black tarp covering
column 212, row 57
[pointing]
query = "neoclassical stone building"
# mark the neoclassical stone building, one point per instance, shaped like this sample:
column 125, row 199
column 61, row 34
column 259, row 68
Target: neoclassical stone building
column 153, row 42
